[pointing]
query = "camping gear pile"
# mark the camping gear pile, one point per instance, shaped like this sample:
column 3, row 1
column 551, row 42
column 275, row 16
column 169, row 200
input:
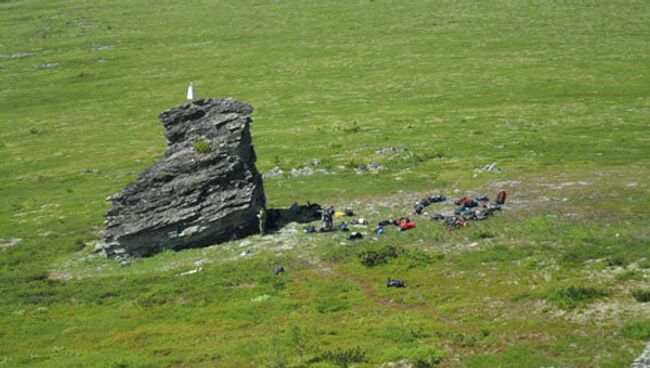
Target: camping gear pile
column 469, row 209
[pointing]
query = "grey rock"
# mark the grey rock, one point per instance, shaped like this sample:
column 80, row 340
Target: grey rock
column 302, row 171
column 643, row 361
column 204, row 190
column 124, row 261
column 371, row 167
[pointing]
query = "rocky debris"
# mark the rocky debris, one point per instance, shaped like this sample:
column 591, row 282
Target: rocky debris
column 643, row 361
column 101, row 47
column 385, row 150
column 308, row 169
column 48, row 65
column 8, row 243
column 204, row 190
column 405, row 363
column 489, row 168
column 371, row 167
column 302, row 171
column 16, row 55
column 276, row 171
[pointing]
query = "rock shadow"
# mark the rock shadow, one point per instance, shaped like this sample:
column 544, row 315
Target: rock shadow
column 277, row 218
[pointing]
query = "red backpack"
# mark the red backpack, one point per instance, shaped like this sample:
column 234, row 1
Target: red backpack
column 501, row 197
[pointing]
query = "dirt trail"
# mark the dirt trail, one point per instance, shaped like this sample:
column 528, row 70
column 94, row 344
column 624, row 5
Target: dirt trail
column 366, row 288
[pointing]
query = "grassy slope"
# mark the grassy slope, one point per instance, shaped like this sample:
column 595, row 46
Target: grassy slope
column 553, row 92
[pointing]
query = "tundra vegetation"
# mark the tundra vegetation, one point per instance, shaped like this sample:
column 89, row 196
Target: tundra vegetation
column 556, row 93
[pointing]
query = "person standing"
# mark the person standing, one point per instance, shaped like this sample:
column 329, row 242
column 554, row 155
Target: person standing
column 262, row 218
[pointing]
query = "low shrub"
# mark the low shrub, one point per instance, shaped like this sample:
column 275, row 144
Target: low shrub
column 641, row 296
column 463, row 340
column 418, row 257
column 569, row 297
column 370, row 257
column 341, row 357
column 616, row 261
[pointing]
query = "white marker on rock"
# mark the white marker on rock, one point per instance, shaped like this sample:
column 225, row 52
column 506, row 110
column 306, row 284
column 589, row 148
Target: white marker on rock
column 190, row 92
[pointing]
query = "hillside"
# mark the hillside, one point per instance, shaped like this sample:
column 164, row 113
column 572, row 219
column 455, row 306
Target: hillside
column 555, row 93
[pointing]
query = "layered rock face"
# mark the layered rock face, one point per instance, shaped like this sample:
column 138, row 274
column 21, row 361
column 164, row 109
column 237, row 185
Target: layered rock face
column 206, row 189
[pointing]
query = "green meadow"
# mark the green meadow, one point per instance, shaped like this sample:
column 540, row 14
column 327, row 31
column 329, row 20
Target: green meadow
column 556, row 93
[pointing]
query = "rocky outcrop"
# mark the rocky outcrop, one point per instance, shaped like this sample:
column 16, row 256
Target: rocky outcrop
column 204, row 190
column 643, row 361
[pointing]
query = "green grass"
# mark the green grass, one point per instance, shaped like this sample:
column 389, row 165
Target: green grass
column 639, row 330
column 556, row 93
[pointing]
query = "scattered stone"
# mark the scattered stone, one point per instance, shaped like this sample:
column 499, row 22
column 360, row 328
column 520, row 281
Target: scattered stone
column 8, row 243
column 303, row 171
column 489, row 168
column 16, row 55
column 385, row 150
column 204, row 190
column 101, row 61
column 48, row 65
column 276, row 171
column 308, row 171
column 371, row 167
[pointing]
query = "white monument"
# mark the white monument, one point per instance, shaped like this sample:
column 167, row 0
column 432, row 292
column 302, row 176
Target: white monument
column 190, row 92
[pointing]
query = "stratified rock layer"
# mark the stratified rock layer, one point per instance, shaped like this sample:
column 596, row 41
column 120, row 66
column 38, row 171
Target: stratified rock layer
column 204, row 190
